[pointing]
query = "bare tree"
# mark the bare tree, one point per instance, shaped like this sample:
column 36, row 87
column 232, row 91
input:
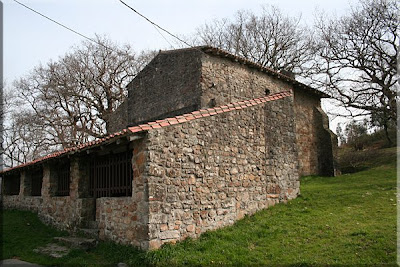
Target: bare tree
column 74, row 96
column 2, row 114
column 25, row 139
column 357, row 59
column 270, row 39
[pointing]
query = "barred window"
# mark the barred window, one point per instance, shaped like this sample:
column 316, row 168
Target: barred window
column 63, row 179
column 111, row 175
column 36, row 182
column 11, row 184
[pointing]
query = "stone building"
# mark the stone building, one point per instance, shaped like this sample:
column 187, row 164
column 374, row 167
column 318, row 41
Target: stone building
column 207, row 137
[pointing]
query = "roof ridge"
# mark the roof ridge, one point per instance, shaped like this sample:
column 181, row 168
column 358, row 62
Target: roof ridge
column 160, row 124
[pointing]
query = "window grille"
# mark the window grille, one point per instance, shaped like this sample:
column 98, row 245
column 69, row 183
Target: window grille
column 63, row 180
column 111, row 175
column 36, row 185
column 11, row 184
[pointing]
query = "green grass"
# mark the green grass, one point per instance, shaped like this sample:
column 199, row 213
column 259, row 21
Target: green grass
column 22, row 232
column 345, row 220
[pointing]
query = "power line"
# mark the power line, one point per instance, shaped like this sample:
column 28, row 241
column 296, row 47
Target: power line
column 155, row 24
column 70, row 29
column 163, row 37
column 56, row 22
column 84, row 36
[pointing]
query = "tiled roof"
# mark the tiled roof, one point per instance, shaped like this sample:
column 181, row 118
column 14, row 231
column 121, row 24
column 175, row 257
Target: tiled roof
column 157, row 124
column 224, row 54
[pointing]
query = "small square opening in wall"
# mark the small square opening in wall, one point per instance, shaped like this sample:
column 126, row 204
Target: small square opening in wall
column 11, row 184
column 36, row 182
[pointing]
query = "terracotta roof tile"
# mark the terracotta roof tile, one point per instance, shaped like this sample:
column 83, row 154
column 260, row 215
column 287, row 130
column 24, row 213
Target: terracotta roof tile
column 156, row 125
column 172, row 121
column 164, row 123
column 189, row 117
column 212, row 111
column 145, row 127
column 219, row 110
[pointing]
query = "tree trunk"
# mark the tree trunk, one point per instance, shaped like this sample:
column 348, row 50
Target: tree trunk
column 385, row 127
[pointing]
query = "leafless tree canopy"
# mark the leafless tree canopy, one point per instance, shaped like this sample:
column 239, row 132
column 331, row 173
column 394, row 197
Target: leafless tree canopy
column 270, row 39
column 70, row 100
column 357, row 58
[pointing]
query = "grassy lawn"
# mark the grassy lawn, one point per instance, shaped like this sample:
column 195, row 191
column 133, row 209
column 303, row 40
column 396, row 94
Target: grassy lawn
column 345, row 220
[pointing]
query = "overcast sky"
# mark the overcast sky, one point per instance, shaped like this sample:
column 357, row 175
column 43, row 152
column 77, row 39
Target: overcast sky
column 30, row 39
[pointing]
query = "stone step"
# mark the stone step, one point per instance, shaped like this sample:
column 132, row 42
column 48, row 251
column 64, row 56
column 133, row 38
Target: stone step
column 90, row 225
column 77, row 242
column 52, row 250
column 91, row 233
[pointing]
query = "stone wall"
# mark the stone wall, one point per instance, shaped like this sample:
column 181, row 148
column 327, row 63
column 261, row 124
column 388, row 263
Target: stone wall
column 67, row 212
column 22, row 202
column 215, row 82
column 117, row 218
column 316, row 142
column 181, row 81
column 119, row 118
column 167, row 86
column 281, row 150
column 210, row 172
column 307, row 137
column 224, row 81
column 327, row 145
column 125, row 219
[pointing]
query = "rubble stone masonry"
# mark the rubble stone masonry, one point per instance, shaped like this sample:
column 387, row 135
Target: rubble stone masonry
column 210, row 172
